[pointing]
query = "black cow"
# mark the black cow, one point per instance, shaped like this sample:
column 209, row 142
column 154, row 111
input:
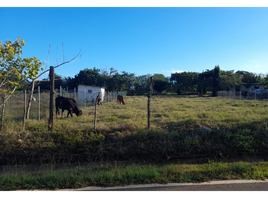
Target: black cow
column 69, row 104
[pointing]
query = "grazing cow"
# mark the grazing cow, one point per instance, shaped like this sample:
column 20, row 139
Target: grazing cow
column 99, row 101
column 69, row 104
column 120, row 99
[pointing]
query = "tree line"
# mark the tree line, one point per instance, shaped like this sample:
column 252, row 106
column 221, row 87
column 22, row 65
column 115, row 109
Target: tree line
column 209, row 81
column 17, row 73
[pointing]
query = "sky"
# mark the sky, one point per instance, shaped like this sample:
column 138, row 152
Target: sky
column 141, row 39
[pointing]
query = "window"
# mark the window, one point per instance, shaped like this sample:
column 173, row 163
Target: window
column 89, row 91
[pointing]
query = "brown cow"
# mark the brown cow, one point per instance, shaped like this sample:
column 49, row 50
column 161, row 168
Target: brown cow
column 120, row 99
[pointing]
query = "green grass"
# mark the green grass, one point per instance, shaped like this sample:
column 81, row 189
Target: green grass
column 238, row 128
column 133, row 174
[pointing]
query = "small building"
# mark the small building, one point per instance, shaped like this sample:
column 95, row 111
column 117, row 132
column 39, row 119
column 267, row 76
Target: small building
column 248, row 87
column 86, row 93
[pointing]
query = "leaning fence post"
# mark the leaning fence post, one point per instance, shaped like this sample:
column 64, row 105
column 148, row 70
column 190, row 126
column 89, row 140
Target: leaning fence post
column 3, row 110
column 52, row 82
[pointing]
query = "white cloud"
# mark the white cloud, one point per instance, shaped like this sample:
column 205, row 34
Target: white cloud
column 172, row 71
column 257, row 65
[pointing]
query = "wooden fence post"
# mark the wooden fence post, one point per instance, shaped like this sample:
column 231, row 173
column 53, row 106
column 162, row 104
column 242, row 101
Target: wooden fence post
column 39, row 102
column 60, row 95
column 149, row 101
column 25, row 110
column 3, row 111
column 75, row 93
column 51, row 105
column 95, row 117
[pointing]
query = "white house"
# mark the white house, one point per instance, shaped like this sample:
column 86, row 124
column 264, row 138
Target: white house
column 251, row 86
column 87, row 92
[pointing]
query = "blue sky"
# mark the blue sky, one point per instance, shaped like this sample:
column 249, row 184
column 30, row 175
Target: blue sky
column 142, row 40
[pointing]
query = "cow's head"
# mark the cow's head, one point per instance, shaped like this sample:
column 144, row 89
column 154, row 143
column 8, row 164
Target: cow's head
column 124, row 103
column 78, row 112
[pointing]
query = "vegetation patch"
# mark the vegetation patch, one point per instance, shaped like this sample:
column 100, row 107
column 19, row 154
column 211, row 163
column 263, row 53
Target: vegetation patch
column 174, row 133
column 133, row 174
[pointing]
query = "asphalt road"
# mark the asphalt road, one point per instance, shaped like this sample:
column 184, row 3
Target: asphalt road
column 224, row 187
column 231, row 185
column 214, row 186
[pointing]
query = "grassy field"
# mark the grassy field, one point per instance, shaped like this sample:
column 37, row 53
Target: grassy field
column 236, row 129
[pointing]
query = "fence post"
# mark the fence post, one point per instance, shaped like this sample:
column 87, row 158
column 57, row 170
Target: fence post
column 51, row 106
column 95, row 117
column 85, row 98
column 75, row 93
column 39, row 100
column 3, row 110
column 149, row 101
column 25, row 107
column 60, row 95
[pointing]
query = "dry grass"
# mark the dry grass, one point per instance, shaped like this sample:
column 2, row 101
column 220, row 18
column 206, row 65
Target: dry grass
column 238, row 128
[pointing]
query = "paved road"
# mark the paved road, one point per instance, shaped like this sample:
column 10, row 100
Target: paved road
column 214, row 186
column 232, row 185
column 247, row 187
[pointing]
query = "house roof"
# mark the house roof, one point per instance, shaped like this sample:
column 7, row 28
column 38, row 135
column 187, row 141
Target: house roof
column 91, row 86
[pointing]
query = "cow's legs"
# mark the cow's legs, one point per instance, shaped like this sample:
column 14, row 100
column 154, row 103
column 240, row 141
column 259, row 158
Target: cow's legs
column 69, row 112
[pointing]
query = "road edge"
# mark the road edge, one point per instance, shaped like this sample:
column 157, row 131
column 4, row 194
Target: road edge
column 94, row 188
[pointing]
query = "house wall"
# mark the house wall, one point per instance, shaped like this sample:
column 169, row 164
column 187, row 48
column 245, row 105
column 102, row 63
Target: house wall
column 87, row 93
column 252, row 87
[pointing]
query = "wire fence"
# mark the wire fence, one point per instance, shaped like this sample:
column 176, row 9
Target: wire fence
column 14, row 107
column 240, row 95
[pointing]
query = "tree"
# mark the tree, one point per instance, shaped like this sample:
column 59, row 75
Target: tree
column 185, row 82
column 229, row 79
column 216, row 80
column 45, row 84
column 33, row 79
column 160, row 82
column 89, row 77
column 141, row 84
column 14, row 69
column 248, row 77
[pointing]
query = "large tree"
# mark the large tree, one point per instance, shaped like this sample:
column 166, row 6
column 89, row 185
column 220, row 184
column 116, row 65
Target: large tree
column 185, row 82
column 160, row 82
column 216, row 80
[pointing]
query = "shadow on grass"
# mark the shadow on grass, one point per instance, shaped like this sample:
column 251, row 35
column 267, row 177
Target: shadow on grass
column 143, row 146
